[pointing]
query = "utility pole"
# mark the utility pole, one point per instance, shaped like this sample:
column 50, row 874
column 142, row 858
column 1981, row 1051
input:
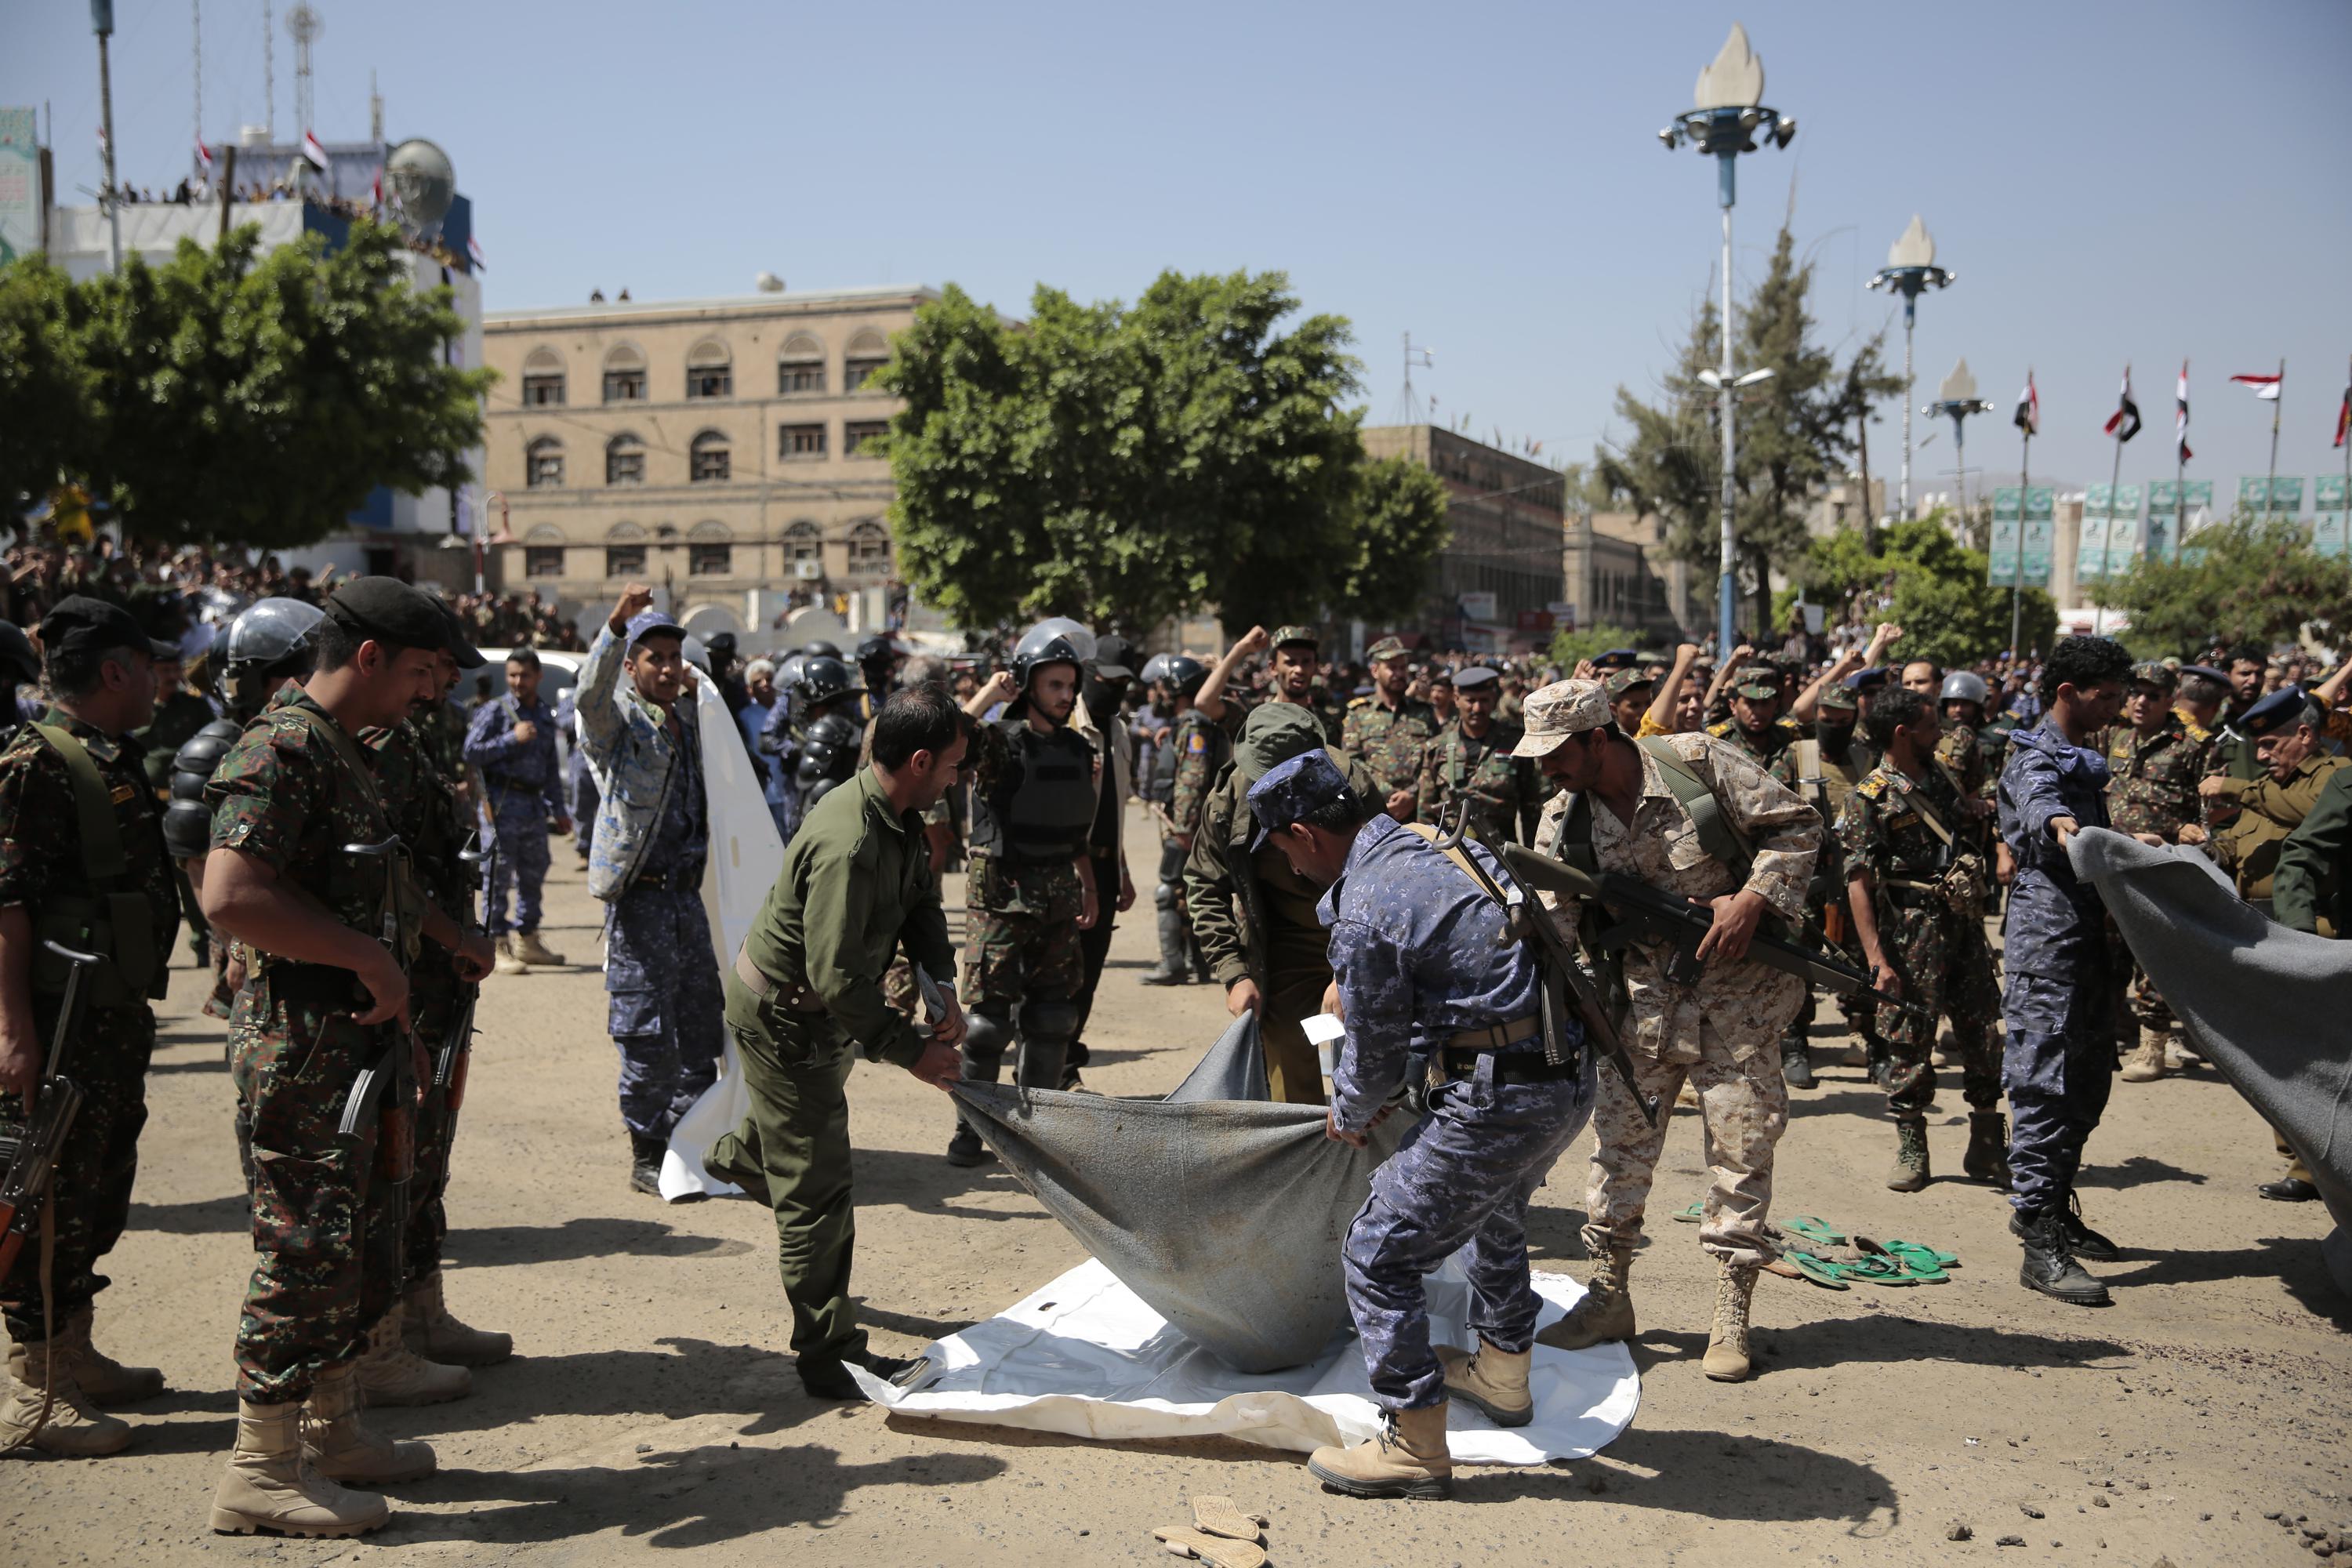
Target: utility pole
column 197, row 13
column 2024, row 505
column 2268, row 482
column 1909, row 271
column 102, row 19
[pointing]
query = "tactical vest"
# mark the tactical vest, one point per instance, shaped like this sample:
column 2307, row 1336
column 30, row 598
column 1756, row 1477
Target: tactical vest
column 1717, row 836
column 387, row 906
column 1050, row 808
column 112, row 918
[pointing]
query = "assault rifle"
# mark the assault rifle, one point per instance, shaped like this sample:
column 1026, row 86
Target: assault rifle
column 1647, row 914
column 32, row 1151
column 449, row 1063
column 381, row 1103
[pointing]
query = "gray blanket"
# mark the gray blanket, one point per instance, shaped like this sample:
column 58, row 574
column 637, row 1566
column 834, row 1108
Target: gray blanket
column 2272, row 1008
column 1222, row 1211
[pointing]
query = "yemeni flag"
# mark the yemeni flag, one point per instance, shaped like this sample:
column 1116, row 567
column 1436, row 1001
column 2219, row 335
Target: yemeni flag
column 474, row 254
column 312, row 153
column 204, row 162
column 2028, row 417
column 2265, row 387
column 2123, row 422
column 2180, row 415
column 2343, row 416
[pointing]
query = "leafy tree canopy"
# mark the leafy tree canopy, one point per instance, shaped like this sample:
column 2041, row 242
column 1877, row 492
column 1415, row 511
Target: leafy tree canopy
column 1123, row 463
column 1928, row 583
column 237, row 397
column 2259, row 581
column 1569, row 648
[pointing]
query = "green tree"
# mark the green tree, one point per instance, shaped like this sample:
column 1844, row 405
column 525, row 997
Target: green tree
column 1123, row 463
column 2259, row 581
column 1571, row 649
column 1796, row 430
column 49, row 405
column 1928, row 583
column 258, row 399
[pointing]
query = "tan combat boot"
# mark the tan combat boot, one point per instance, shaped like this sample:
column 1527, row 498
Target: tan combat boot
column 1727, row 1359
column 272, row 1486
column 104, row 1379
column 1606, row 1313
column 531, row 950
column 338, row 1444
column 1493, row 1382
column 43, row 1375
column 1910, row 1171
column 509, row 961
column 428, row 1330
column 392, row 1374
column 2146, row 1062
column 1406, row 1458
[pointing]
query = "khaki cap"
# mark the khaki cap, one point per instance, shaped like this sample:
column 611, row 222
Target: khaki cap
column 1555, row 713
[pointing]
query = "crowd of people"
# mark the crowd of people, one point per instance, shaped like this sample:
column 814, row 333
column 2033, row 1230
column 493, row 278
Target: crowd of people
column 1336, row 838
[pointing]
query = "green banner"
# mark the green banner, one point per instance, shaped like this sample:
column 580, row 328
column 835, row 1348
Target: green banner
column 2007, row 536
column 2123, row 530
column 2275, row 497
column 2328, row 518
column 2040, row 526
column 2196, row 498
column 2091, row 546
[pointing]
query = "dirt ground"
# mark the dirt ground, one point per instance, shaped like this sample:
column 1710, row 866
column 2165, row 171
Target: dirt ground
column 650, row 1404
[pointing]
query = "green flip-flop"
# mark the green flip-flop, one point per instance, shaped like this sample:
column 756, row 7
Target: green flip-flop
column 1922, row 1262
column 1820, row 1270
column 1692, row 1215
column 1811, row 1229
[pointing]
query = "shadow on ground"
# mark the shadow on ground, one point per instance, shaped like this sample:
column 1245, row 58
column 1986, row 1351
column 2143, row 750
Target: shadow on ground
column 603, row 1237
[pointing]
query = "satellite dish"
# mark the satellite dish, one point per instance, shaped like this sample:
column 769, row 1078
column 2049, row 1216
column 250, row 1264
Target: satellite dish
column 421, row 176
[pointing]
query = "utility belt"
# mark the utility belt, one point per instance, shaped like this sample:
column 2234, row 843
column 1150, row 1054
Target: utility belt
column 676, row 879
column 1911, row 893
column 513, row 784
column 799, row 998
column 1458, row 1059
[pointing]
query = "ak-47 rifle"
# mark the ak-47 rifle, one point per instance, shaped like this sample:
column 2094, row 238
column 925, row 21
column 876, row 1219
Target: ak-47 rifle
column 384, row 1092
column 457, row 1051
column 1522, row 924
column 1647, row 914
column 31, row 1153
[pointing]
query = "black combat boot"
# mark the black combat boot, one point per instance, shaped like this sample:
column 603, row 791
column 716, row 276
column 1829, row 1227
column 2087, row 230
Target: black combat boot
column 2049, row 1266
column 2082, row 1240
column 1795, row 1062
column 1175, row 963
column 966, row 1149
column 1988, row 1156
column 827, row 1377
column 645, row 1153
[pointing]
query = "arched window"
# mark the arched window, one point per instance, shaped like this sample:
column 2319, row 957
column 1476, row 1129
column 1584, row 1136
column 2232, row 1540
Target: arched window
column 803, row 541
column 542, row 551
column 625, row 551
column 625, row 375
column 799, row 365
column 542, row 379
column 710, row 551
column 869, row 550
column 624, row 461
column 710, row 370
column 709, row 459
column 865, row 354
column 543, row 464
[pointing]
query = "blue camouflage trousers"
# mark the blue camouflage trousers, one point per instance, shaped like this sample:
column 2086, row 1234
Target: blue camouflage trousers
column 1460, row 1183
column 662, row 980
column 519, row 825
column 2057, row 1067
column 583, row 800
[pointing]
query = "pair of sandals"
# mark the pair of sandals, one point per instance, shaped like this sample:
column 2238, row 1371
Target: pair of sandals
column 1221, row 1534
column 1814, row 1249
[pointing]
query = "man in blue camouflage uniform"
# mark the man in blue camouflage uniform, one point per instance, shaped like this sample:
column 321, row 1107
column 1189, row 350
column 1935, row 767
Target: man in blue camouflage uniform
column 2061, row 1052
column 1422, row 970
column 512, row 741
column 653, row 835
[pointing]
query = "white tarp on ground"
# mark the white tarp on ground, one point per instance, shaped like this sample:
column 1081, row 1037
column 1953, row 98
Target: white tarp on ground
column 1086, row 1358
column 746, row 857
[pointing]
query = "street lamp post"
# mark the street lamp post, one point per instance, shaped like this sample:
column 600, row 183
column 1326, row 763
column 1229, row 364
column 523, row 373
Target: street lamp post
column 101, row 21
column 1910, row 271
column 1956, row 400
column 1726, row 115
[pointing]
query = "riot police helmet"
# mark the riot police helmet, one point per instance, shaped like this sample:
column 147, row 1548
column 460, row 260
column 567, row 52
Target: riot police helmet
column 1155, row 669
column 1185, row 675
column 18, row 662
column 1050, row 642
column 1081, row 637
column 1965, row 686
column 817, row 647
column 823, row 678
column 272, row 631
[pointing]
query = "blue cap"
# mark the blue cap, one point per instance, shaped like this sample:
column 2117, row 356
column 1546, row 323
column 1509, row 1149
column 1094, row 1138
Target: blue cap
column 1292, row 790
column 1870, row 679
column 647, row 622
column 2206, row 672
column 2286, row 706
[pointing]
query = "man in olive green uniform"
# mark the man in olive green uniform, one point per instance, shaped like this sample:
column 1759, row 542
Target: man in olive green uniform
column 1387, row 729
column 1757, row 727
column 2155, row 760
column 1254, row 914
column 804, row 999
column 1295, row 663
column 2282, row 732
column 81, row 863
column 2311, row 890
column 327, row 999
column 1471, row 760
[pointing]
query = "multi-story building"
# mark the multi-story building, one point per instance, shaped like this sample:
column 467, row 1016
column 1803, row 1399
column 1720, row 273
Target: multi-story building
column 722, row 450
column 1610, row 561
column 1496, row 583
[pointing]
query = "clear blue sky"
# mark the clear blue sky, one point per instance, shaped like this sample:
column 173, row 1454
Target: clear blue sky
column 2112, row 181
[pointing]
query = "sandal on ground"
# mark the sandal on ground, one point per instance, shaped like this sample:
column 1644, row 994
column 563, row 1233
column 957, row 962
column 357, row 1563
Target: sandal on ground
column 1220, row 1516
column 1217, row 1551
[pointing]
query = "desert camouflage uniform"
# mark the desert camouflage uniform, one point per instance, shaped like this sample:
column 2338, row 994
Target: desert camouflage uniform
column 1939, row 952
column 1776, row 751
column 1719, row 1033
column 40, row 864
column 1389, row 741
column 287, row 797
column 2152, row 788
column 1504, row 793
column 1843, row 768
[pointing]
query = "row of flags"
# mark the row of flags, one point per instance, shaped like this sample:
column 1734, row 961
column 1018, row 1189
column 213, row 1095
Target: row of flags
column 314, row 153
column 2124, row 422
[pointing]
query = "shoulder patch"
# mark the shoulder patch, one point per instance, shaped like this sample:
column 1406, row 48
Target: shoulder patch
column 1356, row 703
column 1872, row 788
column 1197, row 743
column 1721, row 731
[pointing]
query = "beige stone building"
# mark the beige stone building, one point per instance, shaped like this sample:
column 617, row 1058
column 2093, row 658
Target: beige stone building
column 1494, row 586
column 719, row 449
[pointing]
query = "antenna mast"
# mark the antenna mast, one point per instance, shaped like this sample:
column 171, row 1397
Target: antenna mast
column 196, row 12
column 1409, row 406
column 269, row 77
column 303, row 24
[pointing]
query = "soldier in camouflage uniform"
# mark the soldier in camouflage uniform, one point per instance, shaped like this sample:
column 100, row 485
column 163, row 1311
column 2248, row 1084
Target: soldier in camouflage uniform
column 1189, row 759
column 1625, row 810
column 1291, row 679
column 326, row 999
column 1030, row 892
column 1471, row 760
column 1829, row 765
column 1915, row 884
column 1756, row 726
column 1387, row 729
column 61, row 881
column 2155, row 760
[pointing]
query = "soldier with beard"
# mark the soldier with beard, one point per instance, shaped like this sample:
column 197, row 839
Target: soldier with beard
column 1387, row 729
